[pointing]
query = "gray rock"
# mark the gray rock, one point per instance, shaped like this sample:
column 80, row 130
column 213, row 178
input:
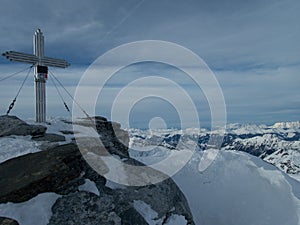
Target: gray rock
column 7, row 221
column 67, row 132
column 112, row 136
column 50, row 138
column 87, row 208
column 26, row 176
column 84, row 208
column 12, row 125
column 165, row 198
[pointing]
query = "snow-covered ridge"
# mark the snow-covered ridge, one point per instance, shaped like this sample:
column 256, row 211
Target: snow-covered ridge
column 284, row 128
column 259, row 140
column 293, row 125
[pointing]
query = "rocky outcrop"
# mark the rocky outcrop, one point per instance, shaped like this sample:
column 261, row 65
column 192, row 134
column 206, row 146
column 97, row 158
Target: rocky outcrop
column 12, row 125
column 112, row 136
column 48, row 171
column 62, row 169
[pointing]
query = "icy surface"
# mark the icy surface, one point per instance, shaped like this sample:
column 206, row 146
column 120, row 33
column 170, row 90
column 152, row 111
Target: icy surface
column 29, row 212
column 89, row 186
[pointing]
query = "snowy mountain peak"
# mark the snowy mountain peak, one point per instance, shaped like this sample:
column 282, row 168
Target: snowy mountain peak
column 287, row 125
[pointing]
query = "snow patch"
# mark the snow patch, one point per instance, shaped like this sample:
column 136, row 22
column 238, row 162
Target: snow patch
column 89, row 186
column 34, row 211
column 147, row 212
column 176, row 220
column 290, row 135
column 14, row 146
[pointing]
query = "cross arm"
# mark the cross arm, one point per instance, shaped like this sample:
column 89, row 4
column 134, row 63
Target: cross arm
column 21, row 57
column 47, row 61
column 34, row 60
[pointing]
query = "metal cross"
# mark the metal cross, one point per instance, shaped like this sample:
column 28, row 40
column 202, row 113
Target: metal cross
column 41, row 63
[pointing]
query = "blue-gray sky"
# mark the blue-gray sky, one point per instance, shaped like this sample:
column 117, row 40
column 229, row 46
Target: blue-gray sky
column 251, row 46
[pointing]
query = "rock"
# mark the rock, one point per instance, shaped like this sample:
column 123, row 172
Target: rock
column 114, row 138
column 92, row 209
column 84, row 208
column 165, row 198
column 67, row 132
column 50, row 138
column 26, row 176
column 131, row 216
column 12, row 125
column 7, row 221
column 62, row 169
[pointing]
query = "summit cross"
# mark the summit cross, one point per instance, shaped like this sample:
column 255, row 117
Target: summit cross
column 40, row 63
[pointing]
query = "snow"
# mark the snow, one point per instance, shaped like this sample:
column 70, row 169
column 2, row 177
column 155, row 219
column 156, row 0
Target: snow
column 37, row 209
column 295, row 124
column 14, row 146
column 245, row 129
column 147, row 212
column 89, row 186
column 235, row 190
column 238, row 188
column 157, row 153
column 151, row 216
column 287, row 160
column 291, row 135
column 176, row 220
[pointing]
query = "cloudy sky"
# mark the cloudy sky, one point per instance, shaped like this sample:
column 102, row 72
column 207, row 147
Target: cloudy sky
column 252, row 47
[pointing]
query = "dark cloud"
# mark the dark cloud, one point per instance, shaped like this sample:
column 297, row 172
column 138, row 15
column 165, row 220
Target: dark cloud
column 252, row 45
column 225, row 33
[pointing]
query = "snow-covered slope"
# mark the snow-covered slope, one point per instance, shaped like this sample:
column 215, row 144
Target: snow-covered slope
column 240, row 189
column 235, row 189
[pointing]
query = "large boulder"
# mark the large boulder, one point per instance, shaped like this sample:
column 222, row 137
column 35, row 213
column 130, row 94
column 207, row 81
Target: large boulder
column 59, row 170
column 12, row 125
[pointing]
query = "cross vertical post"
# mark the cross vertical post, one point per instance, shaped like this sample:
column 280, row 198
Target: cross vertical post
column 40, row 76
